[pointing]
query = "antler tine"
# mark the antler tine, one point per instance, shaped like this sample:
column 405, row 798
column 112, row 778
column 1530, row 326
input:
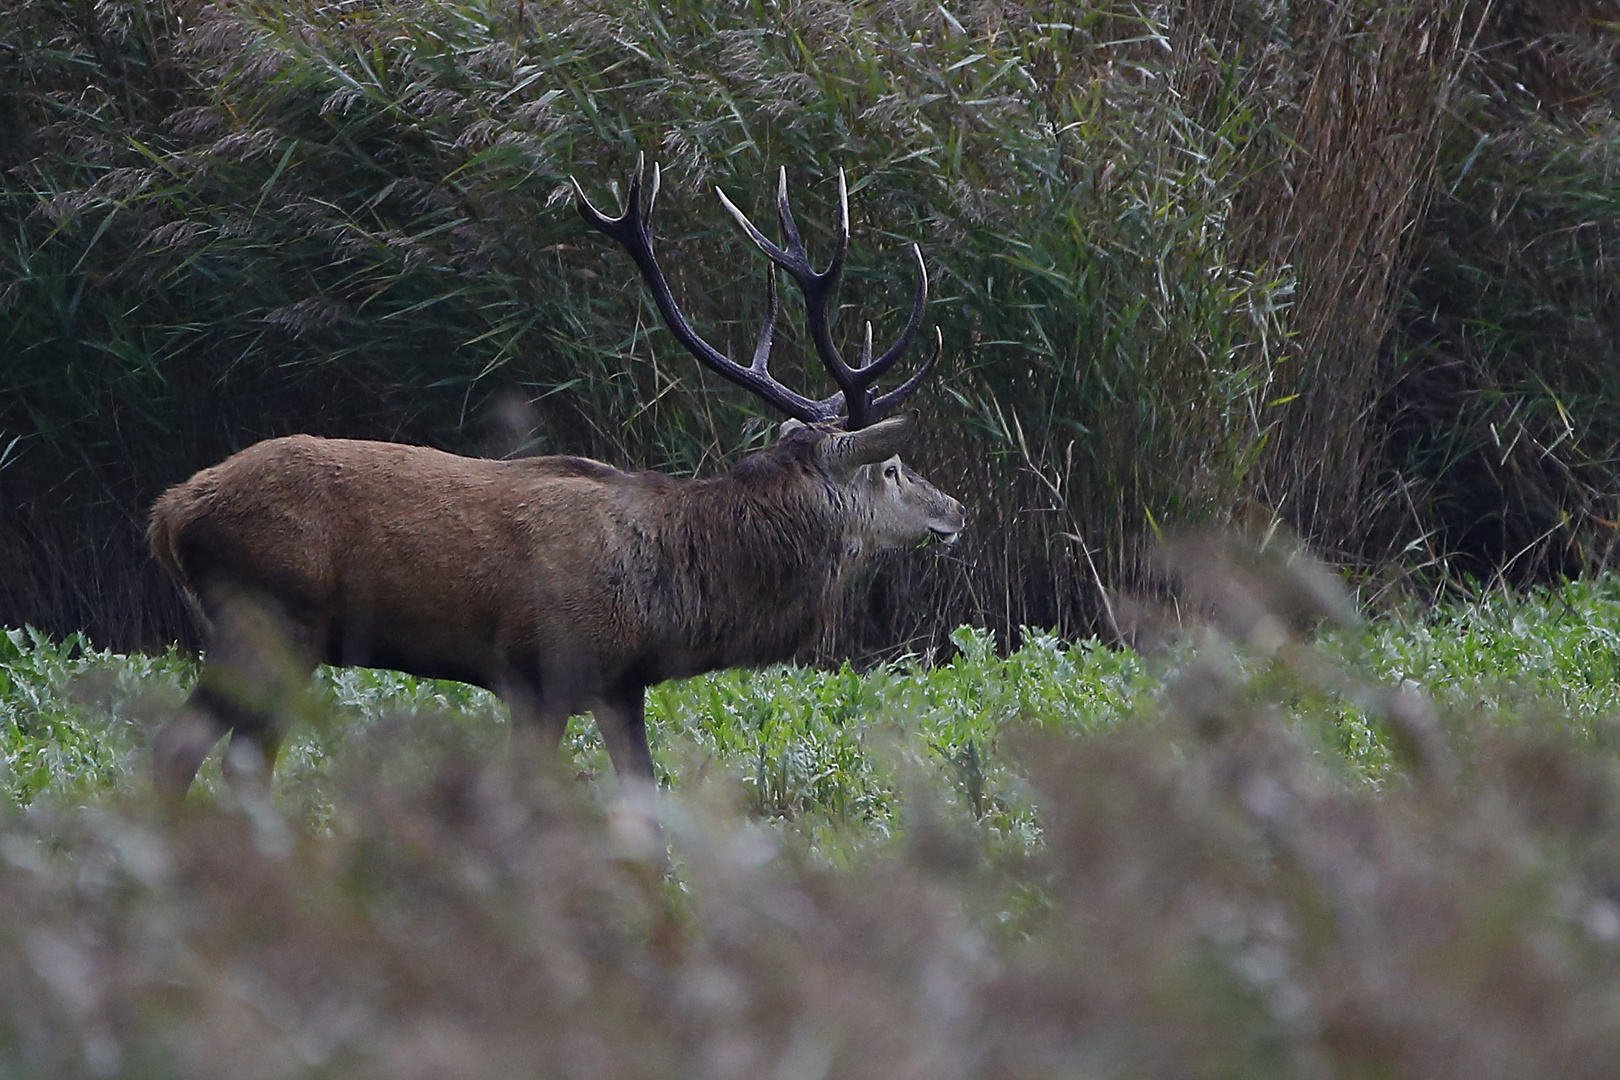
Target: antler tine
column 784, row 214
column 632, row 229
column 629, row 207
column 773, row 304
column 894, row 397
column 835, row 268
column 871, row 370
column 790, row 258
column 829, row 408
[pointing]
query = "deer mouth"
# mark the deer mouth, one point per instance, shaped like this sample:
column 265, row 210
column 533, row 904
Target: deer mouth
column 945, row 536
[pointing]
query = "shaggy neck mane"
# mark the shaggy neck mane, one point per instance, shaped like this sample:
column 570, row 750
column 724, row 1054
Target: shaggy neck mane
column 756, row 560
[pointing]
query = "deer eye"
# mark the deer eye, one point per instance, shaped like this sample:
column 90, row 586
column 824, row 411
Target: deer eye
column 891, row 472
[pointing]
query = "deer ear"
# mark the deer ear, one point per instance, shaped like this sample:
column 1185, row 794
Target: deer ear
column 846, row 452
column 788, row 425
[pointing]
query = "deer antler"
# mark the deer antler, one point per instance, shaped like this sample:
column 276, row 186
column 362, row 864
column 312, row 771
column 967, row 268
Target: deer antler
column 633, row 230
column 854, row 402
column 819, row 288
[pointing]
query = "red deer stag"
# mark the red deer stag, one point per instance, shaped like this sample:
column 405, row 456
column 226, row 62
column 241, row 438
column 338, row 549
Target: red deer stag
column 559, row 583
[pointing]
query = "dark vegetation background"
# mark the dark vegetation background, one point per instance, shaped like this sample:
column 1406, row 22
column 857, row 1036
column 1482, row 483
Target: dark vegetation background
column 1349, row 268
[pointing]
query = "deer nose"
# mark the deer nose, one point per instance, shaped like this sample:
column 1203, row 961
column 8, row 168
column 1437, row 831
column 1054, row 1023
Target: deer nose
column 952, row 522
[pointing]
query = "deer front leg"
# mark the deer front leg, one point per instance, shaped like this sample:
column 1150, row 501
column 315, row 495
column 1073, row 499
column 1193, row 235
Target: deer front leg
column 633, row 820
column 539, row 720
column 622, row 720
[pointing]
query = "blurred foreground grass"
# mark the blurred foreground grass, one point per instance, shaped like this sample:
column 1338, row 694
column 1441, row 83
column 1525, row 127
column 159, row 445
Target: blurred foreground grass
column 1392, row 852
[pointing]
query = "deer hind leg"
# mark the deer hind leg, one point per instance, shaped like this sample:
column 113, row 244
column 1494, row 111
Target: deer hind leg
column 258, row 658
column 180, row 746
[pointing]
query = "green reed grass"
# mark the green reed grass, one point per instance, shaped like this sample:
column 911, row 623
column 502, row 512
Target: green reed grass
column 1501, row 407
column 231, row 221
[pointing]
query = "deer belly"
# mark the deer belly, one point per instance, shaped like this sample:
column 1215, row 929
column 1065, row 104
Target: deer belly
column 417, row 647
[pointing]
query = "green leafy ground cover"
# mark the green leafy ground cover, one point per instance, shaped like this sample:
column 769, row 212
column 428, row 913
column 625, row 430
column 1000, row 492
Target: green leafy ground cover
column 833, row 751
